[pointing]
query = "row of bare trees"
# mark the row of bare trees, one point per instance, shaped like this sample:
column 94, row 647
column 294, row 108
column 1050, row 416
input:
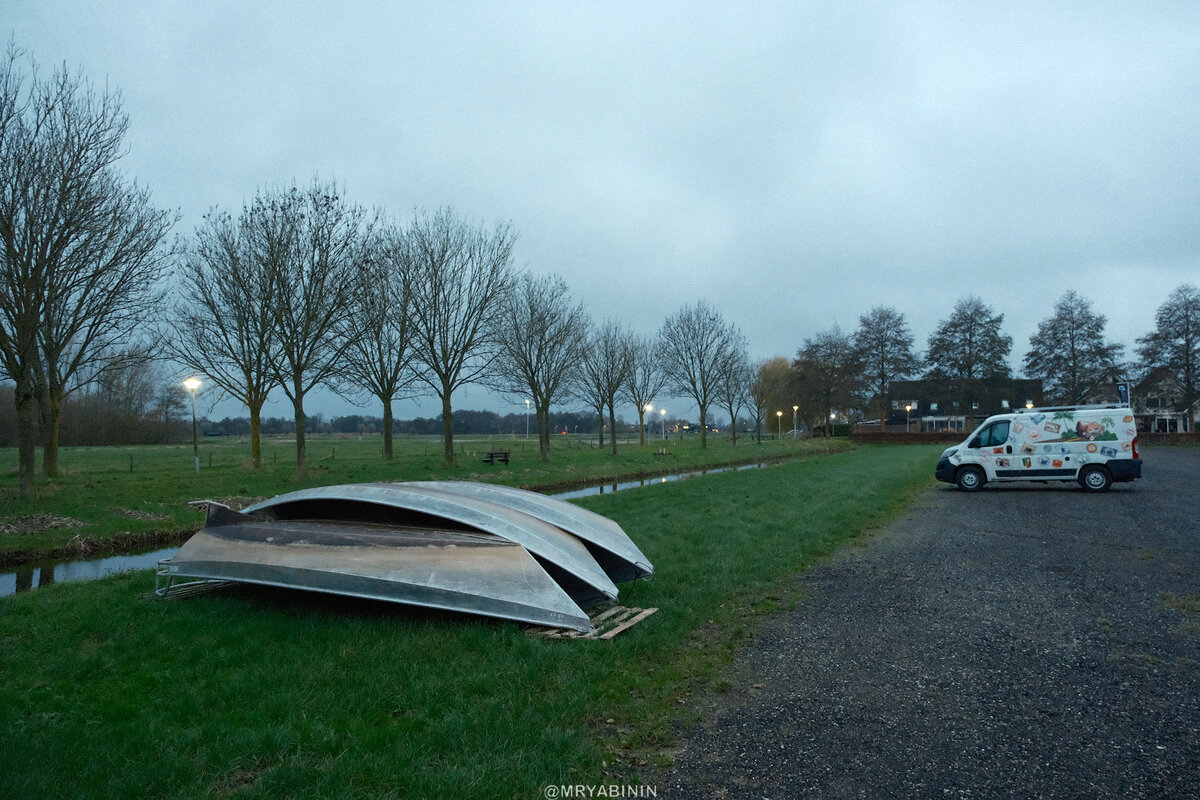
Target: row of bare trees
column 304, row 289
column 83, row 249
column 301, row 289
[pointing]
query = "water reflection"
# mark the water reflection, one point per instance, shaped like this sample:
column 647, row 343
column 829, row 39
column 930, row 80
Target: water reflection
column 609, row 488
column 22, row 579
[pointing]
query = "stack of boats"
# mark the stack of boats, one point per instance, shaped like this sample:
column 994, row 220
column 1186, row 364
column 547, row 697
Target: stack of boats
column 455, row 545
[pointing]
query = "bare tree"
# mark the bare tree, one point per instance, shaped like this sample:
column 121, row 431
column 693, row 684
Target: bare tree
column 314, row 241
column 607, row 362
column 697, row 344
column 461, row 276
column 542, row 335
column 826, row 368
column 734, row 391
column 378, row 359
column 223, row 324
column 646, row 380
column 772, row 386
column 883, row 346
column 81, row 246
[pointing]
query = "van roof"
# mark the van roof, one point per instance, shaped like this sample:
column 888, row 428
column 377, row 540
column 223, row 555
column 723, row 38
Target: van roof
column 1073, row 408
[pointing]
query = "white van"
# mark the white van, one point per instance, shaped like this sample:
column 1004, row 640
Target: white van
column 1094, row 445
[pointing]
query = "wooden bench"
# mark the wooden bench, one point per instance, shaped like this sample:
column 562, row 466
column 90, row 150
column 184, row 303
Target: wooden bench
column 496, row 455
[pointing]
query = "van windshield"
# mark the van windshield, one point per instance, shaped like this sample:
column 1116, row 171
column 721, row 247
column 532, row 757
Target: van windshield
column 994, row 435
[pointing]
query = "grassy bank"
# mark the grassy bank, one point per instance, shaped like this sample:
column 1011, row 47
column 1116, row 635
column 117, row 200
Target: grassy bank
column 262, row 693
column 114, row 498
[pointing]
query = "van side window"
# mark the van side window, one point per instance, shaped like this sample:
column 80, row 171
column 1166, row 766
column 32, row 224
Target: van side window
column 994, row 435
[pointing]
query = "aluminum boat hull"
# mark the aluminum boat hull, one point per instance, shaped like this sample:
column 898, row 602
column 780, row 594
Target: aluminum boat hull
column 562, row 552
column 608, row 543
column 451, row 570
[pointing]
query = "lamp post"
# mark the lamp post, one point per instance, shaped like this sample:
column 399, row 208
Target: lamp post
column 832, row 417
column 907, row 416
column 779, row 416
column 192, row 384
column 795, row 421
column 526, row 417
column 663, row 412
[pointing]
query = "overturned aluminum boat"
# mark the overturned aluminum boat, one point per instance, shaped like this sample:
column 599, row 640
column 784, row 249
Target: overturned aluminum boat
column 510, row 554
column 605, row 540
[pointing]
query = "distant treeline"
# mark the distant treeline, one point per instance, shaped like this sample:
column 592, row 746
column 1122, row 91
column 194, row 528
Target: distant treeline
column 99, row 419
column 465, row 422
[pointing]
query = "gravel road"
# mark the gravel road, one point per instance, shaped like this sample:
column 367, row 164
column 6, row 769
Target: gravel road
column 1029, row 640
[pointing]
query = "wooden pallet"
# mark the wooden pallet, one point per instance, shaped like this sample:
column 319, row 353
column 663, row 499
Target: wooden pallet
column 606, row 624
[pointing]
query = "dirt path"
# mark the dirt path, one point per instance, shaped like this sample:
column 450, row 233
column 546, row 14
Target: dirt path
column 1025, row 641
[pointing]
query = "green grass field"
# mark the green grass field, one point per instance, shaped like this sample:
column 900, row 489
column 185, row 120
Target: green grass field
column 113, row 498
column 252, row 692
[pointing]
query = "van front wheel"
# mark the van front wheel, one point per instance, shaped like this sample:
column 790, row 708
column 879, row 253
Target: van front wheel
column 1095, row 479
column 970, row 479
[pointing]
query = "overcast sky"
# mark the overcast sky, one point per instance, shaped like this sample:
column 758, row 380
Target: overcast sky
column 792, row 164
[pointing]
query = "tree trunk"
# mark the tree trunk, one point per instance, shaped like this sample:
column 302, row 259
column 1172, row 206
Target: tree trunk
column 26, row 406
column 387, row 429
column 600, row 417
column 703, row 428
column 543, row 423
column 256, row 432
column 612, row 427
column 447, row 430
column 301, row 446
column 53, row 424
column 641, row 426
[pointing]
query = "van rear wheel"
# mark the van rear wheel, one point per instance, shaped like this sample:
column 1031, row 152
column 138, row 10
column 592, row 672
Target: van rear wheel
column 970, row 479
column 1095, row 479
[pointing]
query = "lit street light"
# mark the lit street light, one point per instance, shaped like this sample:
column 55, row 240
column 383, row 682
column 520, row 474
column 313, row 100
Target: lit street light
column 795, row 421
column 192, row 384
column 663, row 411
column 779, row 414
column 907, row 416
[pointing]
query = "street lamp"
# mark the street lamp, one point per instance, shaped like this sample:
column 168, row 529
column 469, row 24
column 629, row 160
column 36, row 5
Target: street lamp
column 779, row 415
column 663, row 412
column 192, row 384
column 795, row 421
column 832, row 417
column 907, row 416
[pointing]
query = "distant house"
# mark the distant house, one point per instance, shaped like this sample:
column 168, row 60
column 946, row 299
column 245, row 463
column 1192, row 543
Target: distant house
column 933, row 404
column 941, row 404
column 1159, row 404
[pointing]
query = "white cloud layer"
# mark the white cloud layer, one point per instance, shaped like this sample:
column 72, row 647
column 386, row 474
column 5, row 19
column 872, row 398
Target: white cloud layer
column 793, row 164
